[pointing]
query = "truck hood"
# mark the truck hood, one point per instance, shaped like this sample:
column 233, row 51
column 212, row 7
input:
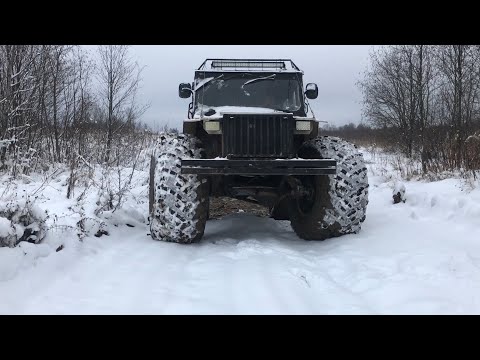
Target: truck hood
column 215, row 112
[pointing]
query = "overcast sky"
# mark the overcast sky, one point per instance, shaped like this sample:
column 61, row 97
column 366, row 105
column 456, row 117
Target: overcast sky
column 334, row 68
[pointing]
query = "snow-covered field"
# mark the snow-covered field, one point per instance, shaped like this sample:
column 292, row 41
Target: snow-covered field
column 417, row 257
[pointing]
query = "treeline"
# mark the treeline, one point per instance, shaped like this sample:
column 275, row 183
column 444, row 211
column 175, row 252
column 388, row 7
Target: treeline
column 365, row 135
column 425, row 101
column 361, row 134
column 59, row 103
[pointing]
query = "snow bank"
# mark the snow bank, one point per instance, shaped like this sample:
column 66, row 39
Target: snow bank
column 20, row 220
column 6, row 228
column 24, row 256
column 38, row 211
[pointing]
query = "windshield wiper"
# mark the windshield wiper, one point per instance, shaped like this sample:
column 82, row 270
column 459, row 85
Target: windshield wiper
column 271, row 77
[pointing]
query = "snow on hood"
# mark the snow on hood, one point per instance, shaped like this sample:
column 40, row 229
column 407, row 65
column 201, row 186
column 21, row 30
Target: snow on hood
column 219, row 111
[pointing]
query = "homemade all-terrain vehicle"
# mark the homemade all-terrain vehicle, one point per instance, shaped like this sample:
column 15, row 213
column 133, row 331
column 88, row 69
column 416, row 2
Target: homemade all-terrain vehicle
column 251, row 135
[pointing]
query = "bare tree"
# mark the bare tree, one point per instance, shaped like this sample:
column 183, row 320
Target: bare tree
column 430, row 96
column 120, row 78
column 58, row 68
column 49, row 111
column 17, row 97
column 397, row 91
column 386, row 88
column 459, row 75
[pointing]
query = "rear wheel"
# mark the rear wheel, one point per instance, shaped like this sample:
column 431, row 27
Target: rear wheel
column 331, row 205
column 178, row 202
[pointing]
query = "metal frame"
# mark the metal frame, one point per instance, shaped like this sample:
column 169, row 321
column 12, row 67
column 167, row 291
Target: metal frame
column 259, row 167
column 294, row 68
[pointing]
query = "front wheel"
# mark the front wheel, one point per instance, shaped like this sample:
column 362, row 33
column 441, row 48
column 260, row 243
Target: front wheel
column 333, row 205
column 178, row 202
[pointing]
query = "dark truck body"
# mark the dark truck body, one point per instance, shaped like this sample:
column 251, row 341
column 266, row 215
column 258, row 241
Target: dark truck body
column 248, row 142
column 251, row 135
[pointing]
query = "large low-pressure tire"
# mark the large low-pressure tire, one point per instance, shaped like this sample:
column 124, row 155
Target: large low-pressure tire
column 337, row 203
column 178, row 202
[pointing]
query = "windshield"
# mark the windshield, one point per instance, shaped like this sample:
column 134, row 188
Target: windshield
column 266, row 91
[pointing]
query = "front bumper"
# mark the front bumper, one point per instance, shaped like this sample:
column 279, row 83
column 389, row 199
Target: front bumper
column 259, row 167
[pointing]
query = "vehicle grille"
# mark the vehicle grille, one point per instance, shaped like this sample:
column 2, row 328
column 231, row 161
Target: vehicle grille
column 268, row 136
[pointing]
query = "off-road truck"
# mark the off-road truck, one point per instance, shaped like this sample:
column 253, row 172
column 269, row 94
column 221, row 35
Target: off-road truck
column 250, row 134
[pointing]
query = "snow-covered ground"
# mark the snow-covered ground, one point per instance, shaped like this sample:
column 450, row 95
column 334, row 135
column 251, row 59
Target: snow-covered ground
column 417, row 257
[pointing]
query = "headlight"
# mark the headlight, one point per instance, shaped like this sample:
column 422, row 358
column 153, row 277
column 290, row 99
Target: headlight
column 303, row 126
column 212, row 127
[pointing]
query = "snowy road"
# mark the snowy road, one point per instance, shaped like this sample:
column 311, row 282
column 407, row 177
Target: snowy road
column 422, row 256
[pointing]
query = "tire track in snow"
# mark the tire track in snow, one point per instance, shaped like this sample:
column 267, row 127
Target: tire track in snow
column 249, row 291
column 84, row 287
column 287, row 290
column 308, row 269
column 114, row 272
column 181, row 298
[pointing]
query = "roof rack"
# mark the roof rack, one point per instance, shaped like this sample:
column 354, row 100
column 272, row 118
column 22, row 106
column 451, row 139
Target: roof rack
column 249, row 64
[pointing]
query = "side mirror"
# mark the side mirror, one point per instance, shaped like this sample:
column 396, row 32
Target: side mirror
column 311, row 91
column 184, row 90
